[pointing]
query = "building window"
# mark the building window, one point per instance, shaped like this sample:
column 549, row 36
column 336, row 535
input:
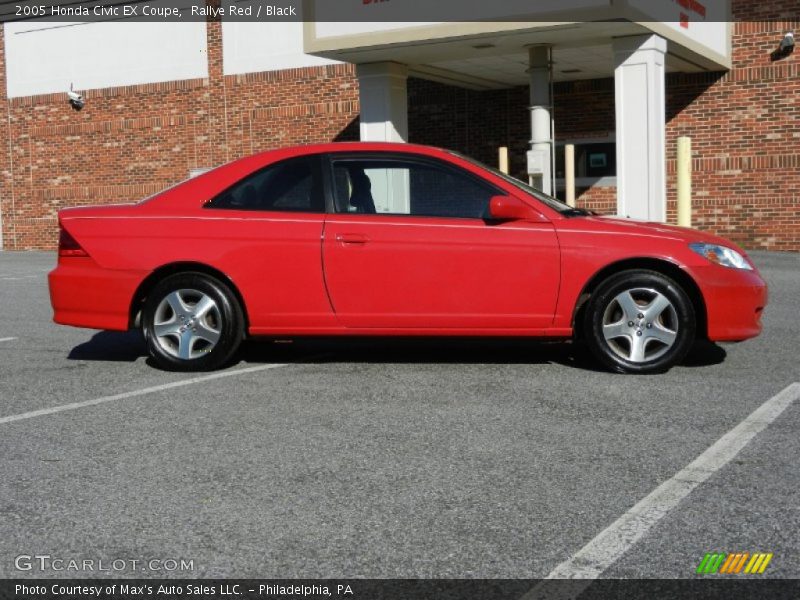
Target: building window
column 595, row 164
column 596, row 159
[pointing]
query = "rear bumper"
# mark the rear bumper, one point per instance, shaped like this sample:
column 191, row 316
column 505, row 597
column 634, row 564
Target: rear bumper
column 735, row 300
column 84, row 294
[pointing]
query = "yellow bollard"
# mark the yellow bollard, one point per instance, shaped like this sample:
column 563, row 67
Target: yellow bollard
column 503, row 159
column 569, row 173
column 685, row 182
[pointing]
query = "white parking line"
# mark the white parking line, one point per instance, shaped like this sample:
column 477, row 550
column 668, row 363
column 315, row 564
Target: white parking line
column 18, row 277
column 605, row 549
column 9, row 339
column 151, row 390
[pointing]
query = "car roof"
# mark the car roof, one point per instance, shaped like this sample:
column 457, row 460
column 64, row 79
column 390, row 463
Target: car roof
column 352, row 147
column 228, row 173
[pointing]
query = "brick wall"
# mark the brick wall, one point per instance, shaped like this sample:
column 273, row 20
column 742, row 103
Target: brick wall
column 744, row 125
column 745, row 129
column 6, row 181
column 476, row 123
column 130, row 142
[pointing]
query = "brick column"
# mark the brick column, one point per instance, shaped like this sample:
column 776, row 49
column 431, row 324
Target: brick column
column 215, row 129
column 6, row 183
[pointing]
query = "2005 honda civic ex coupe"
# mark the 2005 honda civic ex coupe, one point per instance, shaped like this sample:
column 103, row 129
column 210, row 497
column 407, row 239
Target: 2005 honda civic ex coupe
column 392, row 240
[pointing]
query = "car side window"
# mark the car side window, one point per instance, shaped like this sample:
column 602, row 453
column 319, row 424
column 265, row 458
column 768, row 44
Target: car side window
column 290, row 185
column 408, row 187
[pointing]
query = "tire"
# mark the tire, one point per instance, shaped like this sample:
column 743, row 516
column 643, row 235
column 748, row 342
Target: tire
column 192, row 322
column 639, row 322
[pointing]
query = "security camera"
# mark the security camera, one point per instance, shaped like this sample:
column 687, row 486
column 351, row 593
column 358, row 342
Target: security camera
column 785, row 48
column 75, row 99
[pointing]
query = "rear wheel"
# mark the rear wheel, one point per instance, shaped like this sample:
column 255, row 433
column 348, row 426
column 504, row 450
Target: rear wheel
column 639, row 322
column 192, row 322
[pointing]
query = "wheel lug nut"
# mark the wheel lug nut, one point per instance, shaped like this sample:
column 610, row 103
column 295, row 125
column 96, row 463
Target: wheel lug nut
column 649, row 325
column 639, row 333
column 630, row 323
column 641, row 316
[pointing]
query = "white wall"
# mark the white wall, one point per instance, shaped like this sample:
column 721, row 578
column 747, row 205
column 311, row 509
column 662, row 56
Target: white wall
column 46, row 57
column 265, row 46
column 381, row 16
column 708, row 28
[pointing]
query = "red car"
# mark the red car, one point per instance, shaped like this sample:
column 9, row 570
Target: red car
column 392, row 240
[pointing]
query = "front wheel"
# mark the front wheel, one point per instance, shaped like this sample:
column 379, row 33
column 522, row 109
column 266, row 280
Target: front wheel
column 639, row 322
column 192, row 322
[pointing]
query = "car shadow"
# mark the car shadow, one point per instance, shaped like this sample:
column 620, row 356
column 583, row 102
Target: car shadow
column 115, row 346
column 705, row 354
column 447, row 351
column 129, row 346
column 405, row 350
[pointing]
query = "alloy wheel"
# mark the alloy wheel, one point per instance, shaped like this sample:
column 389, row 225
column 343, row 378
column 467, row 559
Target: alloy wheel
column 187, row 324
column 640, row 325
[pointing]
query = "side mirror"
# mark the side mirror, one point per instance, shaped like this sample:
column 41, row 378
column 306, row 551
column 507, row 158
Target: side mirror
column 508, row 208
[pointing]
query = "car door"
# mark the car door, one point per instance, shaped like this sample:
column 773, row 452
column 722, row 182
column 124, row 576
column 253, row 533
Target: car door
column 408, row 246
column 264, row 232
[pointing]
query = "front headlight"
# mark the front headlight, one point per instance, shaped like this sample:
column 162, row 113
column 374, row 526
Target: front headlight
column 722, row 255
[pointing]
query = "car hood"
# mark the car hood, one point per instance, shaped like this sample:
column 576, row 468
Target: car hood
column 597, row 223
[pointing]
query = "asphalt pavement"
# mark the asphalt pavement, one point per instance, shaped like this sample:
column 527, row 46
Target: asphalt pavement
column 381, row 458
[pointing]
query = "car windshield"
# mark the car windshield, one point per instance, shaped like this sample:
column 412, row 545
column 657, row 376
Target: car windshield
column 554, row 203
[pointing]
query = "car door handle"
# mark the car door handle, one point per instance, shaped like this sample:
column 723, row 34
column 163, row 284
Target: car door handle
column 351, row 238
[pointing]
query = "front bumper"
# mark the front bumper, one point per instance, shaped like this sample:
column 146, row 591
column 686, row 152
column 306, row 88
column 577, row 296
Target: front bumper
column 735, row 300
